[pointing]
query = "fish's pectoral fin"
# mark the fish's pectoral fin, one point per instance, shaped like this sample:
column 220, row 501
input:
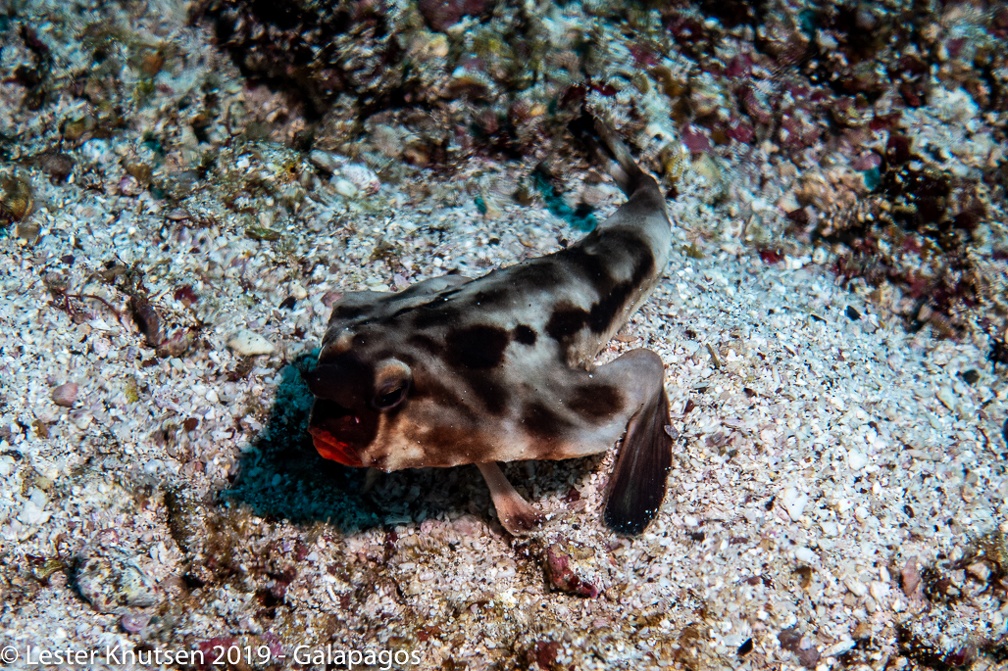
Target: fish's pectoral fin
column 637, row 485
column 515, row 513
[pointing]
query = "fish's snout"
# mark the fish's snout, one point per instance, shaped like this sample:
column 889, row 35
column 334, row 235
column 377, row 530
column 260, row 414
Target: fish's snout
column 335, row 433
column 342, row 434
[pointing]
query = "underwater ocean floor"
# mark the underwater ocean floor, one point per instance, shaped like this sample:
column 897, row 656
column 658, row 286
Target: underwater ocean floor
column 175, row 226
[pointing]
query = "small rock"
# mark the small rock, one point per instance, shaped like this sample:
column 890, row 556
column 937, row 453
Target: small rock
column 789, row 639
column 34, row 513
column 946, row 397
column 65, row 394
column 110, row 580
column 856, row 460
column 808, row 657
column 980, row 571
column 6, row 465
column 806, row 555
column 56, row 164
column 345, row 187
column 561, row 576
column 879, row 590
column 249, row 343
column 856, row 587
column 840, row 648
column 443, row 14
column 852, row 313
column 81, row 418
column 970, row 376
column 134, row 623
column 912, row 585
column 362, row 177
column 794, row 503
column 326, row 161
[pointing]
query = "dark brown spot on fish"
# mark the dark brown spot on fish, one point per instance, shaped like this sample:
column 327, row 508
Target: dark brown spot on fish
column 488, row 389
column 524, row 334
column 542, row 421
column 592, row 266
column 595, row 401
column 494, row 297
column 565, row 322
column 604, row 312
column 544, row 272
column 429, row 315
column 426, row 343
column 477, row 347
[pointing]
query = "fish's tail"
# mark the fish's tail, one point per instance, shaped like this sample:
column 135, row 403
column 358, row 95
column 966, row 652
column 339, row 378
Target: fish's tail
column 610, row 150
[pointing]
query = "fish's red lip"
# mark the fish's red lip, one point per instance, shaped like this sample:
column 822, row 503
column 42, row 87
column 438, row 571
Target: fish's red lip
column 329, row 447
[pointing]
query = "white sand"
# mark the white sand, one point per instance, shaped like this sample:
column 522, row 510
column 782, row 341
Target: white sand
column 823, row 455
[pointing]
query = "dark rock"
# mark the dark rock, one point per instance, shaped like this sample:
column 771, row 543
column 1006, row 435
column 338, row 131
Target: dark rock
column 443, row 14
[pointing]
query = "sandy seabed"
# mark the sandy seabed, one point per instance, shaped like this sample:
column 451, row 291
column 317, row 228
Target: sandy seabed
column 837, row 498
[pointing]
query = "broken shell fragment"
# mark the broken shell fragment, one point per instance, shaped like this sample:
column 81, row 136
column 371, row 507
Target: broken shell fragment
column 249, row 343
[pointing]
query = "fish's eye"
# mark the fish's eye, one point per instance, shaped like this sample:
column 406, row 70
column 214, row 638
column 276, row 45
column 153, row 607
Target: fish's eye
column 390, row 395
column 392, row 383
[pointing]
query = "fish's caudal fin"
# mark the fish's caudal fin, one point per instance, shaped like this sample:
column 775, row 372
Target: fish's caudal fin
column 608, row 148
column 636, row 487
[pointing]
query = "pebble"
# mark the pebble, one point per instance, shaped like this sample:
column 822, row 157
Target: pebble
column 327, row 161
column 362, row 177
column 33, row 513
column 112, row 579
column 249, row 343
column 980, row 571
column 794, row 503
column 562, row 576
column 81, row 419
column 345, row 188
column 911, row 578
column 946, row 397
column 134, row 623
column 65, row 394
column 879, row 590
column 856, row 587
column 839, row 648
column 856, row 460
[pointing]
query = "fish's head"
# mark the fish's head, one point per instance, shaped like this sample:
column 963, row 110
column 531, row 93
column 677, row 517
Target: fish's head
column 355, row 393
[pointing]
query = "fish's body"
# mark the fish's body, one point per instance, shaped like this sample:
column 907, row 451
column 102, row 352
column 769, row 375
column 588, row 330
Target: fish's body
column 455, row 371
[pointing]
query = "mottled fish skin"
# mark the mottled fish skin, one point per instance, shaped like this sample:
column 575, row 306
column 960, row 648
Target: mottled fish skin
column 455, row 371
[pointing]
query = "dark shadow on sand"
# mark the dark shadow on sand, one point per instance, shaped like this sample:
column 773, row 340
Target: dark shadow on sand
column 281, row 476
